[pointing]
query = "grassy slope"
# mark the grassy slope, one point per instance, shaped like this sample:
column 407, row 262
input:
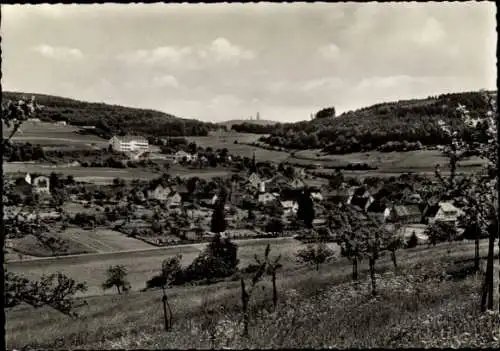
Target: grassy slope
column 316, row 310
column 142, row 265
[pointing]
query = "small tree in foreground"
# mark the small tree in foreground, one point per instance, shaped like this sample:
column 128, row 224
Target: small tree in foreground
column 246, row 294
column 315, row 254
column 117, row 277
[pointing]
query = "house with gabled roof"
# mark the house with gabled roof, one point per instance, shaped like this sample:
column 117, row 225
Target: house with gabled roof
column 254, row 180
column 267, row 197
column 297, row 184
column 443, row 212
column 290, row 207
column 407, row 214
column 361, row 198
column 174, row 199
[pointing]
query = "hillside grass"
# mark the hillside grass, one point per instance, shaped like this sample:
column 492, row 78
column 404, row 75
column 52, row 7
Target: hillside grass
column 29, row 245
column 315, row 310
column 392, row 162
column 141, row 265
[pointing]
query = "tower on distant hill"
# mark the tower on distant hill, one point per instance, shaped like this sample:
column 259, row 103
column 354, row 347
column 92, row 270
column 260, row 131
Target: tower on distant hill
column 258, row 117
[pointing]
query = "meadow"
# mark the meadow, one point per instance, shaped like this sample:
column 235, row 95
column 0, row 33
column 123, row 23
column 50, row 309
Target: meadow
column 142, row 262
column 47, row 134
column 387, row 162
column 316, row 309
column 227, row 140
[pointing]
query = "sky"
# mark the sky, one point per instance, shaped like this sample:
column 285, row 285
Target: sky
column 216, row 62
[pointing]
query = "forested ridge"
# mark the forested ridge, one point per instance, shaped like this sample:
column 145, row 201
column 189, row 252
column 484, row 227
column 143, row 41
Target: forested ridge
column 114, row 119
column 393, row 126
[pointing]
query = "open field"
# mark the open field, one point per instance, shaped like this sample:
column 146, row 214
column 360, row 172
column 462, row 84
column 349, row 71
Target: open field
column 30, row 246
column 216, row 141
column 104, row 240
column 103, row 175
column 47, row 134
column 344, row 316
column 388, row 162
column 142, row 264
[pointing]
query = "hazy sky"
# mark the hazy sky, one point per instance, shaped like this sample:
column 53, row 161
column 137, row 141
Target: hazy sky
column 218, row 61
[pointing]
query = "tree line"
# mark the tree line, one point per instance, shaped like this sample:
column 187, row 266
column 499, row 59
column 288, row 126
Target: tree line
column 398, row 126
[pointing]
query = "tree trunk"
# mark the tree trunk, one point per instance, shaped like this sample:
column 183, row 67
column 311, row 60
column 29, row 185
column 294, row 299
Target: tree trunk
column 165, row 317
column 491, row 271
column 487, row 293
column 476, row 251
column 244, row 301
column 275, row 291
column 355, row 269
column 317, row 266
column 394, row 260
column 372, row 276
column 118, row 288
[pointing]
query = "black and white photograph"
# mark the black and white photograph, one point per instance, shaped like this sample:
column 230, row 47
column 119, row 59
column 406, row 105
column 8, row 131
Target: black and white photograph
column 250, row 175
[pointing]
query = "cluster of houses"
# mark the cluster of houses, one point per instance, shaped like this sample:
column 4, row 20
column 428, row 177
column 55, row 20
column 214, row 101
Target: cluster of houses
column 138, row 146
column 32, row 185
column 413, row 210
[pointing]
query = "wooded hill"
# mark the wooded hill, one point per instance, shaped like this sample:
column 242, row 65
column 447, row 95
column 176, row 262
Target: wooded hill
column 393, row 126
column 113, row 119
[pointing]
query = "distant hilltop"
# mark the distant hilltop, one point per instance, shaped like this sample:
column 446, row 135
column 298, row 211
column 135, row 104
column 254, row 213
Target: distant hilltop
column 261, row 122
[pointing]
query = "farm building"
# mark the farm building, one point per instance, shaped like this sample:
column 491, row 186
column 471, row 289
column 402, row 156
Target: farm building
column 361, row 198
column 174, row 199
column 254, row 180
column 317, row 196
column 340, row 196
column 407, row 214
column 266, row 198
column 381, row 208
column 443, row 212
column 159, row 193
column 297, row 184
column 290, row 207
column 29, row 184
column 129, row 143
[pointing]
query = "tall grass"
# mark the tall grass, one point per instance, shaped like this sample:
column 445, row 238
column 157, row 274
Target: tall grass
column 315, row 310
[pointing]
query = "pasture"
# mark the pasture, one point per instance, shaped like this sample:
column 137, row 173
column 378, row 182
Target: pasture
column 387, row 162
column 104, row 175
column 135, row 319
column 220, row 141
column 143, row 264
column 51, row 134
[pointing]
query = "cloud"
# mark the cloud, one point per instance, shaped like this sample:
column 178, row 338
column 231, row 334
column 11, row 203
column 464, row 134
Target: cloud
column 58, row 53
column 329, row 52
column 431, row 33
column 165, row 81
column 219, row 50
column 166, row 54
column 223, row 50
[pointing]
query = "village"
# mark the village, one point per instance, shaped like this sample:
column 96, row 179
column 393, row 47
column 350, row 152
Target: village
column 262, row 200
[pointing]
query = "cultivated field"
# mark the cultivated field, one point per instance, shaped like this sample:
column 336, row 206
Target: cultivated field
column 142, row 264
column 345, row 316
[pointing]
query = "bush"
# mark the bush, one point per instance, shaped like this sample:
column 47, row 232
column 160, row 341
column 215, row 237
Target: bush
column 413, row 241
